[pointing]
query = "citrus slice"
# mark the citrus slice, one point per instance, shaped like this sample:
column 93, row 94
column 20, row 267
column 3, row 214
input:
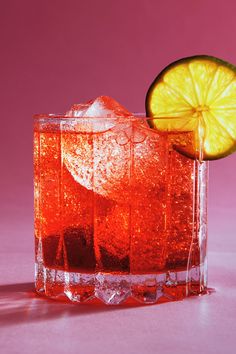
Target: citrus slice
column 197, row 94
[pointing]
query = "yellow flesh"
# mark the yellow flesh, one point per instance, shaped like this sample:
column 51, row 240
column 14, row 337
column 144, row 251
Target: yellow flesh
column 200, row 88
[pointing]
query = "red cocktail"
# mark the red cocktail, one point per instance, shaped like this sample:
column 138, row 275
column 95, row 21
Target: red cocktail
column 119, row 212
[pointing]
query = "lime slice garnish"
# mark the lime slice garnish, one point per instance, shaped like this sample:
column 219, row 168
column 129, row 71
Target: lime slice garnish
column 199, row 88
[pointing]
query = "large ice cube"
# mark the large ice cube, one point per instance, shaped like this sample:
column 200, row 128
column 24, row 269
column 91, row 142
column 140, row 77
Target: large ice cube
column 100, row 154
column 100, row 108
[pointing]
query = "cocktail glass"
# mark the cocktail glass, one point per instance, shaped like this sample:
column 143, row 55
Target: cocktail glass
column 120, row 211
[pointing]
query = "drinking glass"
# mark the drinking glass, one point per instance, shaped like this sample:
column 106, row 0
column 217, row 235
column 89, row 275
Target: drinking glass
column 120, row 208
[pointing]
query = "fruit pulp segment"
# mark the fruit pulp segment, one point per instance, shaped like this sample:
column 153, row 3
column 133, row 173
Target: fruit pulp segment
column 105, row 204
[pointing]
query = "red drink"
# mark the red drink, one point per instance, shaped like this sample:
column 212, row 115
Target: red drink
column 119, row 213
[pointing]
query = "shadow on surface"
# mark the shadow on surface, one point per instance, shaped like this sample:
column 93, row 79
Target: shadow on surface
column 19, row 304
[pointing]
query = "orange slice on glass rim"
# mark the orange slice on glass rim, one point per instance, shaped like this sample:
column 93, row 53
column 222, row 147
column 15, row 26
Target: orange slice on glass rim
column 197, row 94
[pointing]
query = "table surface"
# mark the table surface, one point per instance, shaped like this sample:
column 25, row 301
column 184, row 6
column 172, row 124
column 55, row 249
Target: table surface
column 29, row 324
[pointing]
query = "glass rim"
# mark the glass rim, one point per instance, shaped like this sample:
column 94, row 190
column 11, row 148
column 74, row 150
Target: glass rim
column 141, row 116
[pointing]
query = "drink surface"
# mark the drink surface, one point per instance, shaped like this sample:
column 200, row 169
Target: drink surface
column 116, row 200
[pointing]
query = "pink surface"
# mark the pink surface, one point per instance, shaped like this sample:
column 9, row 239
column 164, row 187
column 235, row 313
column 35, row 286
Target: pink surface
column 53, row 54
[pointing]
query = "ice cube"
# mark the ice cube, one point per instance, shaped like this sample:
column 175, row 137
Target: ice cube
column 105, row 106
column 101, row 107
column 101, row 157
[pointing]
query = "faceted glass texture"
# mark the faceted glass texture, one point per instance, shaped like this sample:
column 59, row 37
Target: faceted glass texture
column 120, row 214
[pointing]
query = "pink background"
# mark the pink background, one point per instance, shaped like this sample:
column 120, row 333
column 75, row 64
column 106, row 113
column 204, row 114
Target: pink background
column 55, row 53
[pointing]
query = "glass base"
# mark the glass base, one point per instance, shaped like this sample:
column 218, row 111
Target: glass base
column 114, row 289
